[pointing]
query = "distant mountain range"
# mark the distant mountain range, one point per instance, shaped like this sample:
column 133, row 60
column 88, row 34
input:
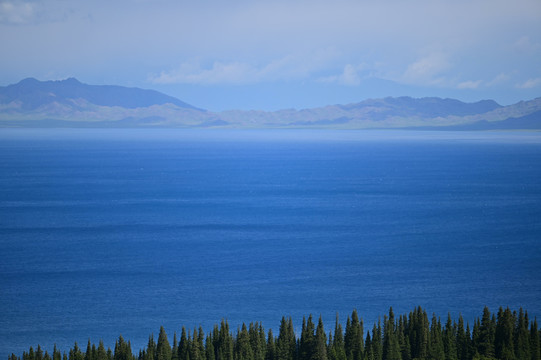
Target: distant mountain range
column 70, row 103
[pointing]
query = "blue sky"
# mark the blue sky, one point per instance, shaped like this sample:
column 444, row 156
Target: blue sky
column 270, row 55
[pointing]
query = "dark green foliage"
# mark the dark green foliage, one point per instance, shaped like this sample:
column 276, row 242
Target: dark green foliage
column 123, row 349
column 418, row 333
column 368, row 349
column 209, row 349
column 257, row 341
column 75, row 353
column 243, row 349
column 224, row 343
column 320, row 351
column 270, row 354
column 174, row 350
column 88, row 353
column 509, row 336
column 436, row 348
column 183, row 346
column 522, row 336
column 403, row 340
column 39, row 353
column 308, row 342
column 462, row 340
column 163, row 349
column 449, row 339
column 484, row 341
column 391, row 346
column 101, row 353
column 150, row 353
column 286, row 343
column 58, row 356
column 504, row 343
column 535, row 347
column 354, row 345
column 338, row 350
column 377, row 343
column 197, row 345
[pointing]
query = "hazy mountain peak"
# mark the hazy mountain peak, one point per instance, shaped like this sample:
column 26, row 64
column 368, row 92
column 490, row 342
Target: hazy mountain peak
column 71, row 103
column 32, row 94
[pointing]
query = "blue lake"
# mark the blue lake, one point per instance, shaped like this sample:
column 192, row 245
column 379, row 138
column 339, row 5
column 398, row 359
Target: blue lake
column 108, row 232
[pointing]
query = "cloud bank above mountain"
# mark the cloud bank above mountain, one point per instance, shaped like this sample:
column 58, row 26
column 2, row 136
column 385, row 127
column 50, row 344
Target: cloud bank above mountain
column 289, row 53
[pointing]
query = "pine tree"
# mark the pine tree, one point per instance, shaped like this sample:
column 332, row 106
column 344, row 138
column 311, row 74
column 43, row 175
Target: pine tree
column 449, row 339
column 195, row 349
column 462, row 340
column 122, row 350
column 436, row 349
column 270, row 354
column 535, row 346
column 368, row 349
column 320, row 352
column 163, row 349
column 57, row 355
column 224, row 349
column 391, row 348
column 174, row 350
column 403, row 339
column 286, row 342
column 101, row 353
column 243, row 349
column 209, row 348
column 256, row 342
column 307, row 344
column 418, row 334
column 183, row 345
column 88, row 353
column 75, row 353
column 522, row 336
column 354, row 346
column 39, row 353
column 259, row 338
column 338, row 346
column 201, row 343
column 377, row 343
column 503, row 340
column 487, row 330
column 151, row 349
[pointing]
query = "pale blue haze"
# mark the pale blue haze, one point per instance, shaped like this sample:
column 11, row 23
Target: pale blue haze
column 108, row 232
column 270, row 55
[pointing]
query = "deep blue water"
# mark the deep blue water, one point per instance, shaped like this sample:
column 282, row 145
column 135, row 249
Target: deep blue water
column 108, row 232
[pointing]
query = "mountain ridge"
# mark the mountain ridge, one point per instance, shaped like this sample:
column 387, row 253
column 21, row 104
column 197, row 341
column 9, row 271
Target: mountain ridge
column 70, row 103
column 34, row 93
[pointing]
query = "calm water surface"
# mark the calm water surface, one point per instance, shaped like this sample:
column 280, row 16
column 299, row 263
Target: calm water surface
column 108, row 232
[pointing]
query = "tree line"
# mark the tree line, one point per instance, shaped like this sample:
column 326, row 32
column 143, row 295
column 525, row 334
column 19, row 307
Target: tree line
column 508, row 335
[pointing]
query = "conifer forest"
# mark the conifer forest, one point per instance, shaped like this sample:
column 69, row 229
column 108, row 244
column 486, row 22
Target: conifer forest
column 505, row 335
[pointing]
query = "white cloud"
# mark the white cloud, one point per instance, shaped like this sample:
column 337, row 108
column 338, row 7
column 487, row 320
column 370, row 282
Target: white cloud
column 415, row 42
column 499, row 79
column 428, row 70
column 525, row 45
column 289, row 67
column 16, row 12
column 351, row 76
column 530, row 83
column 193, row 73
column 470, row 84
